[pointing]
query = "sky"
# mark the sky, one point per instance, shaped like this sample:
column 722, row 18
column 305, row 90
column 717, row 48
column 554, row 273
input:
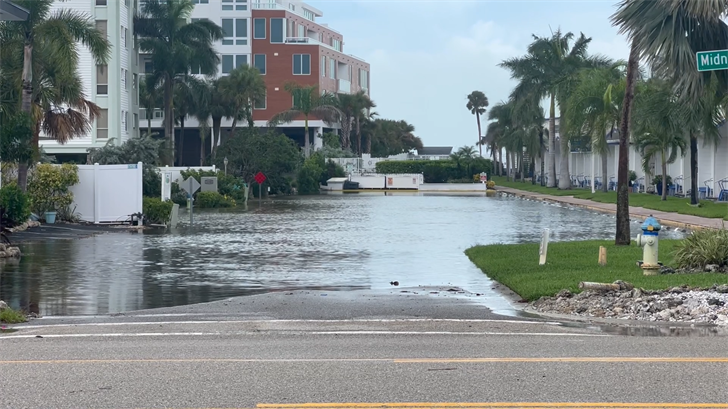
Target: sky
column 427, row 56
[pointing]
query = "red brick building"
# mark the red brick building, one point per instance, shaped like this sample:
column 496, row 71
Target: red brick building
column 289, row 45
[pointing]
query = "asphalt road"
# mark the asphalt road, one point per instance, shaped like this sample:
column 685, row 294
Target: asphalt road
column 357, row 350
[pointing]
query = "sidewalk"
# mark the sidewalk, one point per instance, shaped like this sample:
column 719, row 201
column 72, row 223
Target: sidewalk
column 61, row 231
column 666, row 218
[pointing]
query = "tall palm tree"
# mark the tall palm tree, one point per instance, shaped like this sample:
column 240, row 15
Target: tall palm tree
column 667, row 34
column 149, row 99
column 47, row 44
column 528, row 119
column 242, row 89
column 547, row 71
column 211, row 104
column 307, row 102
column 184, row 101
column 346, row 104
column 477, row 103
column 175, row 47
column 500, row 131
column 595, row 106
column 362, row 108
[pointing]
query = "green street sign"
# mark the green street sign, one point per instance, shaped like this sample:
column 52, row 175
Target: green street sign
column 713, row 60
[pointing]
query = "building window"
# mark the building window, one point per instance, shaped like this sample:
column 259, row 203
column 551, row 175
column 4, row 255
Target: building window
column 228, row 31
column 195, row 69
column 103, row 27
column 100, row 2
column 323, row 66
column 226, row 6
column 227, row 63
column 102, row 80
column 259, row 63
column 301, row 31
column 135, row 125
column 308, row 14
column 200, row 1
column 261, row 103
column 259, row 28
column 134, row 81
column 241, row 60
column 241, row 7
column 124, row 126
column 332, row 68
column 241, row 31
column 276, row 30
column 123, row 79
column 363, row 79
column 301, row 64
column 336, row 44
column 102, row 124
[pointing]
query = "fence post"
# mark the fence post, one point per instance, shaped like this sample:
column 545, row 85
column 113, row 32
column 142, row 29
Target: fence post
column 140, row 191
column 97, row 196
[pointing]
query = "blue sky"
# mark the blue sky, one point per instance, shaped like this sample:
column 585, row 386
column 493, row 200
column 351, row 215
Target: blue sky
column 427, row 56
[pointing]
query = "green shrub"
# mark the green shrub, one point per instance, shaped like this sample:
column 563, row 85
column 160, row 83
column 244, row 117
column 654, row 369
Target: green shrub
column 701, row 248
column 309, row 177
column 227, row 185
column 156, row 211
column 10, row 316
column 213, row 200
column 48, row 187
column 151, row 181
column 14, row 205
column 490, row 184
column 438, row 171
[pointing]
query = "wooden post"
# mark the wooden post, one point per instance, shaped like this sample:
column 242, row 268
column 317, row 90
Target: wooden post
column 543, row 249
column 602, row 256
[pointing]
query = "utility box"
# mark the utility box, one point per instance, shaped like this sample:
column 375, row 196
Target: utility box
column 209, row 184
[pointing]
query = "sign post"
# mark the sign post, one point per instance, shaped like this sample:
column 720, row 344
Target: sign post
column 190, row 185
column 715, row 60
column 544, row 247
column 260, row 178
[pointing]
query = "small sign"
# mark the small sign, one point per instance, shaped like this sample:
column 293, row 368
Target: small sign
column 190, row 185
column 260, row 178
column 134, row 166
column 483, row 177
column 712, row 60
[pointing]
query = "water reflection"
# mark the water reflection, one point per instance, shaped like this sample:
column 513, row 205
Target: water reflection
column 334, row 242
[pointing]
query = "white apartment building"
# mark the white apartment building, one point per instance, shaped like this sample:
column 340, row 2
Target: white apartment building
column 113, row 87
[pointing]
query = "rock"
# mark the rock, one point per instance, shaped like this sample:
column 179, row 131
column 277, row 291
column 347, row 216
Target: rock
column 666, row 270
column 564, row 294
column 716, row 301
column 3, row 306
column 664, row 315
column 712, row 268
column 723, row 289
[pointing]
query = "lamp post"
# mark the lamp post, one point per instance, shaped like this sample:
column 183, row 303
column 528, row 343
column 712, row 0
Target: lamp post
column 225, row 162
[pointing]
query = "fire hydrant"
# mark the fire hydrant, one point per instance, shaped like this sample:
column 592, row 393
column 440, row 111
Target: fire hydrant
column 648, row 240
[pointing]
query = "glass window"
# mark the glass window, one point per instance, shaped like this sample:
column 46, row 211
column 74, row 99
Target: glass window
column 227, row 6
column 241, row 60
column 100, row 2
column 301, row 64
column 301, row 31
column 259, row 28
column 241, row 28
column 261, row 103
column 102, row 124
column 102, row 80
column 228, row 27
column 323, row 66
column 242, row 7
column 227, row 64
column 148, row 67
column 259, row 62
column 102, row 26
column 276, row 30
column 332, row 68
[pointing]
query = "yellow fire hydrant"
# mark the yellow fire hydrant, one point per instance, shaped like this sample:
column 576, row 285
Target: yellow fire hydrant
column 648, row 240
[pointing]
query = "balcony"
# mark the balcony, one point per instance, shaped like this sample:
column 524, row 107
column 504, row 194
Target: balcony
column 344, row 86
column 313, row 41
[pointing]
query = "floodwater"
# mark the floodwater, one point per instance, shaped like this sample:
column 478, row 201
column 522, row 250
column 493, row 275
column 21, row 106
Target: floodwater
column 332, row 242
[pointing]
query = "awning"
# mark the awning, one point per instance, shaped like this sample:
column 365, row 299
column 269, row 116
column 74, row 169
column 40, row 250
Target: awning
column 12, row 12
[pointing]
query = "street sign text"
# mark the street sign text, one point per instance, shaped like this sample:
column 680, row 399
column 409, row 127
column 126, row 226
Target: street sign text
column 712, row 60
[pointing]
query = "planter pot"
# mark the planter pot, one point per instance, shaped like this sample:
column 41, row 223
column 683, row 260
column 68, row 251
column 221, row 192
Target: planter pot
column 50, row 217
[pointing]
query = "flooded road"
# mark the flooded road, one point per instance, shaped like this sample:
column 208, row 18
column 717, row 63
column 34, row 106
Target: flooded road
column 334, row 242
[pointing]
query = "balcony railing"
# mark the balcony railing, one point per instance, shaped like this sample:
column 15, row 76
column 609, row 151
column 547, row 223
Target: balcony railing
column 344, row 86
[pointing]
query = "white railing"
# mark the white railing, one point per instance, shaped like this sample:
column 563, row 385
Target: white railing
column 271, row 5
column 344, row 86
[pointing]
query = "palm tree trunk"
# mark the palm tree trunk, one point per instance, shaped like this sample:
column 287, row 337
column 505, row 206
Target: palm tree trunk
column 664, row 175
column 605, row 155
column 533, row 168
column 306, row 142
column 523, row 169
column 622, row 233
column 26, row 106
column 369, row 143
column 500, row 161
column 232, row 128
column 203, row 133
column 169, row 121
column 693, row 168
column 149, row 122
column 480, row 145
column 541, row 155
column 552, row 142
column 181, row 139
column 358, row 136
column 564, row 177
column 508, row 166
column 216, row 121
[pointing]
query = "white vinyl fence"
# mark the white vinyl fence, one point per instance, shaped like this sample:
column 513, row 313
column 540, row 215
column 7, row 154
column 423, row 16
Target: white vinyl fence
column 108, row 193
column 176, row 171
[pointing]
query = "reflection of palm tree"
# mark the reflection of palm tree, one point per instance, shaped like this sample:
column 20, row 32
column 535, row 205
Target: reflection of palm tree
column 41, row 53
column 477, row 102
column 307, row 102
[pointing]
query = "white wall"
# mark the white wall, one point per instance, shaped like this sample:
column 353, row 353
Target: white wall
column 108, row 193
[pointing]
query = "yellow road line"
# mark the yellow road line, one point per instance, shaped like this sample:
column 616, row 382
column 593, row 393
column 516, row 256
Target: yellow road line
column 385, row 360
column 530, row 405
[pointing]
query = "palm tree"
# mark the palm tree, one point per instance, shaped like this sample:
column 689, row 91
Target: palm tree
column 547, row 71
column 362, row 108
column 500, row 131
column 184, row 101
column 210, row 103
column 597, row 104
column 242, row 89
column 658, row 127
column 346, row 105
column 667, row 35
column 176, row 46
column 45, row 50
column 528, row 119
column 477, row 103
column 307, row 102
column 149, row 99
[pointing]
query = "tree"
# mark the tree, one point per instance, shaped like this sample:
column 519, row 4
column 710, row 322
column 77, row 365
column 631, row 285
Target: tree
column 251, row 151
column 500, row 131
column 46, row 46
column 362, row 109
column 477, row 103
column 548, row 70
column 346, row 105
column 596, row 103
column 210, row 103
column 176, row 47
column 307, row 102
column 464, row 157
column 390, row 137
column 243, row 88
column 149, row 99
column 667, row 35
column 658, row 128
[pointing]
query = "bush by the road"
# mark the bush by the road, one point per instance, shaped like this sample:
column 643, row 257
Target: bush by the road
column 156, row 211
column 213, row 200
column 14, row 205
column 701, row 248
column 438, row 171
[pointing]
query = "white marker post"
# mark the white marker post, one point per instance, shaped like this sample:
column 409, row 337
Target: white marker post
column 543, row 249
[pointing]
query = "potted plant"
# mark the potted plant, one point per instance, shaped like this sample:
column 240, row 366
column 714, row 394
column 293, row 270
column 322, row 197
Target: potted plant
column 48, row 189
column 657, row 181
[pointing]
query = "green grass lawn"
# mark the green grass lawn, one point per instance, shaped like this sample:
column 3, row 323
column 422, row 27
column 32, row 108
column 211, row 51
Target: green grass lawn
column 516, row 266
column 707, row 208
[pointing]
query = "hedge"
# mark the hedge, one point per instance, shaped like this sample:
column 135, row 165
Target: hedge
column 437, row 171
